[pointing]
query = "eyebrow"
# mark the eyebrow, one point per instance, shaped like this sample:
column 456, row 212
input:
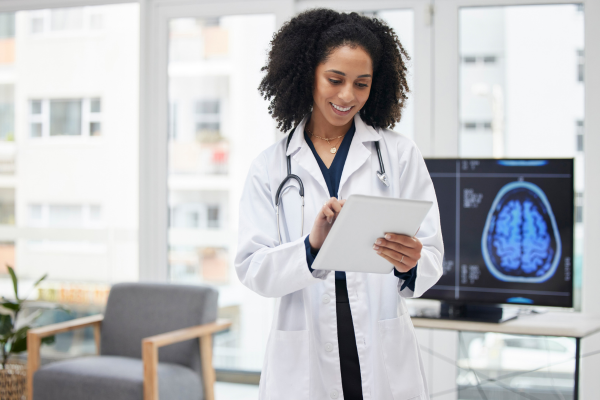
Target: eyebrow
column 343, row 74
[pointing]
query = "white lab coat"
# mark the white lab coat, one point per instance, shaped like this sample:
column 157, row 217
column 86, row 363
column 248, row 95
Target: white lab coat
column 302, row 360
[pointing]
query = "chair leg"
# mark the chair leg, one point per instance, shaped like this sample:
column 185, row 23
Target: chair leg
column 97, row 335
column 208, row 371
column 150, row 360
column 33, row 361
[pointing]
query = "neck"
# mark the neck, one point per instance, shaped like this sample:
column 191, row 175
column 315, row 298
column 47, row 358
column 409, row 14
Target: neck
column 318, row 125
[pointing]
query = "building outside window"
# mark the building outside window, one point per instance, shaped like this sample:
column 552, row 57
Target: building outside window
column 65, row 117
column 75, row 20
column 59, row 212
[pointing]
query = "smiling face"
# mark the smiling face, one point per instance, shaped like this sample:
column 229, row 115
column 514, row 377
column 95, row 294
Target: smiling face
column 342, row 87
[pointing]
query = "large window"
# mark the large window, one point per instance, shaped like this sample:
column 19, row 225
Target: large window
column 71, row 204
column 218, row 125
column 521, row 89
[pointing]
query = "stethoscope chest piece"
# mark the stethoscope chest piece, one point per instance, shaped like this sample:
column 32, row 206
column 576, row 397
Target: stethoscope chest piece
column 383, row 178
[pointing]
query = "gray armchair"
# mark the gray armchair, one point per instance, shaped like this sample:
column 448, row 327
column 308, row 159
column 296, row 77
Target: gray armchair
column 143, row 323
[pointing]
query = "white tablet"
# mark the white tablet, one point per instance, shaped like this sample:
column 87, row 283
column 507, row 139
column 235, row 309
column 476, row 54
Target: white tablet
column 364, row 219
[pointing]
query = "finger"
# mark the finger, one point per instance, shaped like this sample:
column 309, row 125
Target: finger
column 400, row 248
column 336, row 206
column 391, row 253
column 329, row 214
column 398, row 265
column 399, row 257
column 407, row 241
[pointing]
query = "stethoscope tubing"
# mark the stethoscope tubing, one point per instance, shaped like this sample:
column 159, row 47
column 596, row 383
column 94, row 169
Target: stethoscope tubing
column 380, row 174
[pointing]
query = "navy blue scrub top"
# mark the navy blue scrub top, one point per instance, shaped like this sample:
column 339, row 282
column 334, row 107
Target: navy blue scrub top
column 332, row 176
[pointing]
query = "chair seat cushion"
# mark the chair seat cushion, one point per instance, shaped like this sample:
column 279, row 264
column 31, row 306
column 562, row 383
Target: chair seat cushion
column 112, row 378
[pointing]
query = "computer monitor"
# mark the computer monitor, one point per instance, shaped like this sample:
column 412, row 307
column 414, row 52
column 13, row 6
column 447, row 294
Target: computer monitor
column 508, row 231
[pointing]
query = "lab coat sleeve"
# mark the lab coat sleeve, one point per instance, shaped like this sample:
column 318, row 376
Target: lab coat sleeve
column 408, row 278
column 415, row 183
column 264, row 266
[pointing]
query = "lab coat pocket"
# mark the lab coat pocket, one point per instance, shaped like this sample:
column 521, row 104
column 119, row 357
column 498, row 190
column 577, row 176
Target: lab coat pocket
column 399, row 349
column 288, row 366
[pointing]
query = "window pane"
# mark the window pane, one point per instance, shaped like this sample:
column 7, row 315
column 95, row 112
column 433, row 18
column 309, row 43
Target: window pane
column 95, row 129
column 66, row 19
column 95, row 106
column 37, row 25
column 77, row 199
column 525, row 78
column 65, row 216
column 402, row 21
column 36, row 130
column 214, row 108
column 7, row 206
column 36, row 107
column 65, row 117
column 7, row 25
column 7, row 111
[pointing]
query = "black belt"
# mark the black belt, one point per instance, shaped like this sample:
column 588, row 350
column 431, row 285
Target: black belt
column 349, row 365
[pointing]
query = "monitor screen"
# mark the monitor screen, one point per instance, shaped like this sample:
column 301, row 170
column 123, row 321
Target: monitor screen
column 508, row 230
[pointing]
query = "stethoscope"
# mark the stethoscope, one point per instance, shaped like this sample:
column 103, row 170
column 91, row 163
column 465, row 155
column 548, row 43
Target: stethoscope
column 380, row 174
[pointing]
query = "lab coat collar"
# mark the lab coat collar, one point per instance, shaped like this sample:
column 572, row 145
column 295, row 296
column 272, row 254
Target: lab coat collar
column 364, row 133
column 298, row 140
column 358, row 154
column 302, row 154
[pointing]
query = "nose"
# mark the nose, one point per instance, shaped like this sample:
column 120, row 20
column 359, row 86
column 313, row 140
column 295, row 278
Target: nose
column 347, row 94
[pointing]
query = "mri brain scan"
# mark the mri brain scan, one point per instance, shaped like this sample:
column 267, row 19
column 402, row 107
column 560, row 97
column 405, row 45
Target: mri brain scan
column 520, row 241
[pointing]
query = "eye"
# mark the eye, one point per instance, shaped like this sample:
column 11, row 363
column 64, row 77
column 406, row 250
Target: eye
column 363, row 85
column 334, row 81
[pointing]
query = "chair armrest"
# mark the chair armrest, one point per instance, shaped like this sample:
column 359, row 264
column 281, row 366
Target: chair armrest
column 34, row 341
column 204, row 333
column 192, row 332
column 60, row 327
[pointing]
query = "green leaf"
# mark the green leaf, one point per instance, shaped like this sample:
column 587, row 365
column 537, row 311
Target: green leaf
column 48, row 340
column 40, row 280
column 5, row 324
column 11, row 306
column 19, row 345
column 22, row 332
column 14, row 281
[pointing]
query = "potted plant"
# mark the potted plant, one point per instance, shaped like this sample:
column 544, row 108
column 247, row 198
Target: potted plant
column 13, row 339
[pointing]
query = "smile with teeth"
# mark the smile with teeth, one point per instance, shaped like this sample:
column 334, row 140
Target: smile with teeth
column 342, row 109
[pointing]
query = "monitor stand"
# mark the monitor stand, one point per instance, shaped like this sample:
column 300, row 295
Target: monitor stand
column 476, row 312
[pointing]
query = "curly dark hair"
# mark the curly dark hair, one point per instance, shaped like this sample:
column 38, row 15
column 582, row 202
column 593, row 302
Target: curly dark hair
column 307, row 40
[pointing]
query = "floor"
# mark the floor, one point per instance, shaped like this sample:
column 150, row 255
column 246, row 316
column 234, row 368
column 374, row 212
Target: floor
column 235, row 391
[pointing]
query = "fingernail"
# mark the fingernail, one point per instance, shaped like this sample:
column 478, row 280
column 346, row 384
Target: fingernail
column 378, row 241
column 378, row 251
column 375, row 247
column 388, row 236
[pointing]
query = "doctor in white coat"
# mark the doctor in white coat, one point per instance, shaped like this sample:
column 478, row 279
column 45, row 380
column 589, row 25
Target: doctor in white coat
column 340, row 79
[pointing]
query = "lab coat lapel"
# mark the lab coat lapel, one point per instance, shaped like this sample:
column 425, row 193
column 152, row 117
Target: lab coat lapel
column 302, row 154
column 358, row 154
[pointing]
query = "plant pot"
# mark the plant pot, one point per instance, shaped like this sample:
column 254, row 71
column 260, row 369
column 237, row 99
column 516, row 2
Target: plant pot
column 13, row 381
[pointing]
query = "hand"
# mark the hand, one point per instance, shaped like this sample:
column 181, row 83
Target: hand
column 402, row 251
column 324, row 221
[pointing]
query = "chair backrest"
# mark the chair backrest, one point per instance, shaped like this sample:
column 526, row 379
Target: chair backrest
column 137, row 310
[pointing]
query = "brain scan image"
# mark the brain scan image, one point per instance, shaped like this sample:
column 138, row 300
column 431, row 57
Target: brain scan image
column 520, row 241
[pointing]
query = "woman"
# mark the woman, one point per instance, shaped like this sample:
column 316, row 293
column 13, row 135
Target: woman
column 340, row 79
